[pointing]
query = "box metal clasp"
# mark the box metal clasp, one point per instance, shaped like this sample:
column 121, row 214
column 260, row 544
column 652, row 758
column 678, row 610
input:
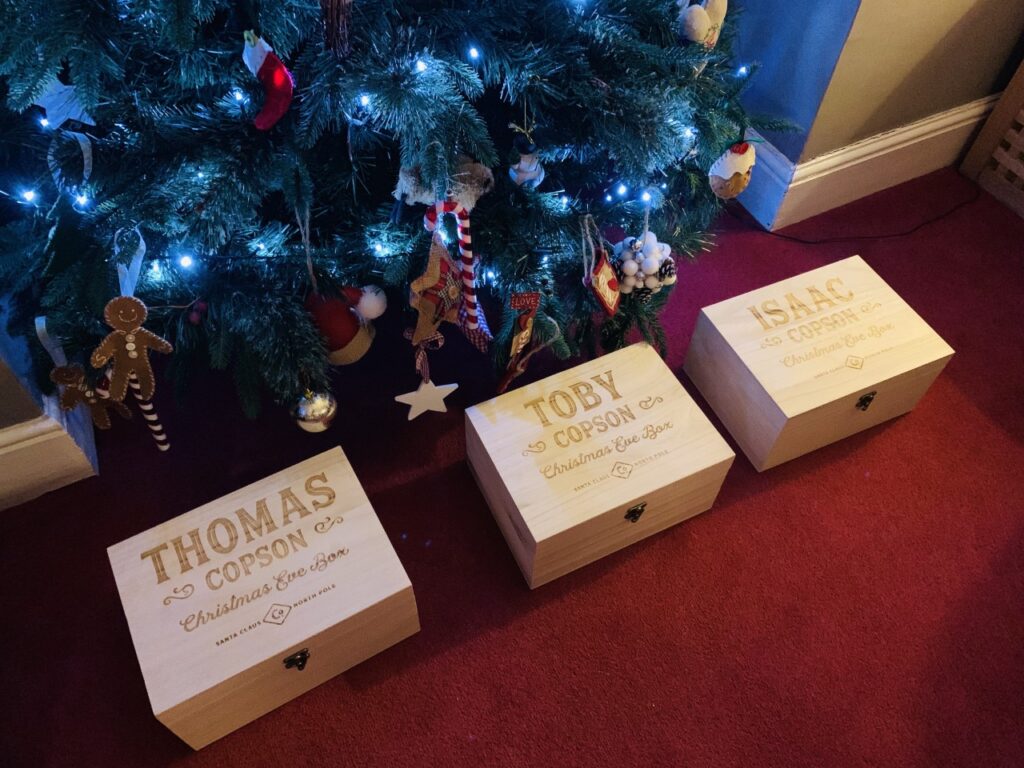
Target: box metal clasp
column 634, row 512
column 297, row 660
column 866, row 400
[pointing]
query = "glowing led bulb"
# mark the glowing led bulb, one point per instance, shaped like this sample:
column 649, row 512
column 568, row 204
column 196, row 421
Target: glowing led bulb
column 646, row 197
column 28, row 195
column 474, row 53
column 421, row 65
column 43, row 122
column 239, row 95
column 186, row 261
column 81, row 199
column 364, row 100
column 622, row 189
column 743, row 71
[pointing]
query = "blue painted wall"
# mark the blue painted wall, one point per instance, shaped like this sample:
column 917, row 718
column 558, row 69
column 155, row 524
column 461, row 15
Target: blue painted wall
column 796, row 44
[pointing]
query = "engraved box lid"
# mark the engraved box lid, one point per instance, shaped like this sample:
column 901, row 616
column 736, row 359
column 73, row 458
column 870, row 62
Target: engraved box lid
column 282, row 560
column 593, row 438
column 825, row 334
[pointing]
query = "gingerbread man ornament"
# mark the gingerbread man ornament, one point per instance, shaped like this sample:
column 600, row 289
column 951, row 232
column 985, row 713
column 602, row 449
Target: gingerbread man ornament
column 77, row 392
column 128, row 347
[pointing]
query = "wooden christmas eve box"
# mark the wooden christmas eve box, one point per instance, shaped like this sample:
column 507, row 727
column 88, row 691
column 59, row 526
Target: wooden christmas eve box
column 810, row 360
column 253, row 599
column 592, row 459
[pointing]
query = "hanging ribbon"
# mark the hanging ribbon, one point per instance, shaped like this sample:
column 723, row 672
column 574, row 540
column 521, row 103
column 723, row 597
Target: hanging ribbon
column 86, row 146
column 303, row 222
column 431, row 343
column 128, row 277
column 588, row 248
column 53, row 348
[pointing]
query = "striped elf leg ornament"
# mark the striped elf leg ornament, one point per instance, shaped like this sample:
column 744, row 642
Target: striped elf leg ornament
column 149, row 414
column 472, row 320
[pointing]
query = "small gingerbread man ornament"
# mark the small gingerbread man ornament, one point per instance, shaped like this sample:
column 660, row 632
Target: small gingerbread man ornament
column 128, row 347
column 77, row 392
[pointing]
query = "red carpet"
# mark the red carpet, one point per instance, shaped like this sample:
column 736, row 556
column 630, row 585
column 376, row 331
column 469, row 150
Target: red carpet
column 860, row 606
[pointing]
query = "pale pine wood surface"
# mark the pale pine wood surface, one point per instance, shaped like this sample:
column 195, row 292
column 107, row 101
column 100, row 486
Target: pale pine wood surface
column 905, row 342
column 980, row 154
column 559, row 522
column 499, row 500
column 216, row 712
column 1003, row 177
column 600, row 536
column 841, row 418
column 179, row 666
column 785, row 365
column 746, row 409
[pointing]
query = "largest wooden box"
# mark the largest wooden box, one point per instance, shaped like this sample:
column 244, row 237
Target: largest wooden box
column 243, row 604
column 587, row 461
column 810, row 360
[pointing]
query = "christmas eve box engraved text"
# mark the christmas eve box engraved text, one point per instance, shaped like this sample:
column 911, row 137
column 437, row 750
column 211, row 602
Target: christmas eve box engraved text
column 587, row 422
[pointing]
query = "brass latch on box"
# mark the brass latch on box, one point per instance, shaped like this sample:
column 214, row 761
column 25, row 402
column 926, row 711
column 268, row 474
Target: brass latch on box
column 297, row 660
column 865, row 401
column 634, row 512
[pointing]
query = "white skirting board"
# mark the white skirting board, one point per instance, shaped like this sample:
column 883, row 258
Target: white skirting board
column 44, row 453
column 782, row 192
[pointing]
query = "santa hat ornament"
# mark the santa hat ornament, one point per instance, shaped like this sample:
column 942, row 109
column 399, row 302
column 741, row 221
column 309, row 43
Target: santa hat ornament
column 275, row 78
column 344, row 322
column 730, row 174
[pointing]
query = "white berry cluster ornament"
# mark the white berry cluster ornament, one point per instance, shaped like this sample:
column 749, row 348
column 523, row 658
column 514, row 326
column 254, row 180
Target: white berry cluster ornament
column 644, row 266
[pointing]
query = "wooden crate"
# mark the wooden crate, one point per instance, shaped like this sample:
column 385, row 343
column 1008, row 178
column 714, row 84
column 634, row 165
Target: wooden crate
column 587, row 461
column 253, row 599
column 996, row 159
column 810, row 360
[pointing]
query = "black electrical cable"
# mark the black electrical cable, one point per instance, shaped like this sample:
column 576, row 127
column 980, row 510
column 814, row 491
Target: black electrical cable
column 963, row 204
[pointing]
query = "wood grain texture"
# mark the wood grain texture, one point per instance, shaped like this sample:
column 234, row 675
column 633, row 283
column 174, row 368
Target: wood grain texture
column 1003, row 176
column 217, row 598
column 1010, row 103
column 785, row 366
column 560, row 461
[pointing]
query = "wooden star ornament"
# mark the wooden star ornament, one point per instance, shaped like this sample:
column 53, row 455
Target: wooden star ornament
column 427, row 397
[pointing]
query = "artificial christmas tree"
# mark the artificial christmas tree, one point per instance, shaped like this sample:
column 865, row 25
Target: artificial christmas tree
column 624, row 114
